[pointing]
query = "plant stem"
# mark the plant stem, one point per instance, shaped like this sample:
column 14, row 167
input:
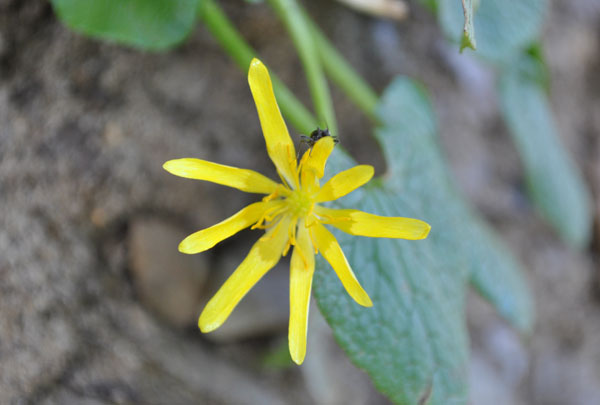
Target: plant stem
column 235, row 46
column 342, row 73
column 296, row 23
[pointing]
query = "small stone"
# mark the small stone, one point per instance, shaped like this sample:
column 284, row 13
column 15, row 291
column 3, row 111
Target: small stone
column 113, row 134
column 98, row 217
column 509, row 356
column 168, row 282
column 487, row 385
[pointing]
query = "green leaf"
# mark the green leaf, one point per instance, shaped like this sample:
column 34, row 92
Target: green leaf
column 504, row 27
column 468, row 37
column 144, row 24
column 413, row 341
column 553, row 180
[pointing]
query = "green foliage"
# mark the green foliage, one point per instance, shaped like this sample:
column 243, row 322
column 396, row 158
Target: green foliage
column 553, row 180
column 508, row 36
column 144, row 24
column 413, row 341
column 504, row 28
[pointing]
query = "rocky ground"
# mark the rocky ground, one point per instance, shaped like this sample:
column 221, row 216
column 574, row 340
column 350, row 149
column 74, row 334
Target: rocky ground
column 97, row 306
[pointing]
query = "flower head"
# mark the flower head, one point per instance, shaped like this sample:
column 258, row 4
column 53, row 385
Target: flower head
column 291, row 215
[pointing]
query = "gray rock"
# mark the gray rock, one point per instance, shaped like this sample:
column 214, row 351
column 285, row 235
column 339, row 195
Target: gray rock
column 487, row 385
column 168, row 282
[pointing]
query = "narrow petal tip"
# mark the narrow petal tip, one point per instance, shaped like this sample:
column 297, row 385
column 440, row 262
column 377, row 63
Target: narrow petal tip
column 416, row 229
column 426, row 230
column 298, row 355
column 256, row 68
column 420, row 229
column 184, row 247
column 178, row 167
column 365, row 301
column 168, row 165
column 206, row 326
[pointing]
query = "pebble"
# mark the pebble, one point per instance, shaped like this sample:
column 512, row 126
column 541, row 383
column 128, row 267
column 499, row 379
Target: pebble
column 168, row 282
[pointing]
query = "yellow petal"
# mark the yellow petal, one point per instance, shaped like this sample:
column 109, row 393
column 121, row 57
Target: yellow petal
column 279, row 144
column 242, row 179
column 309, row 181
column 345, row 182
column 265, row 254
column 301, row 273
column 316, row 157
column 209, row 237
column 361, row 223
column 331, row 250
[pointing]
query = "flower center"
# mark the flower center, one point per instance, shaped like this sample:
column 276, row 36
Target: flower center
column 300, row 204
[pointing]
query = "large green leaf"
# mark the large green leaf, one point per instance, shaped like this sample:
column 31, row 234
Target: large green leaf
column 503, row 27
column 507, row 34
column 553, row 180
column 413, row 341
column 145, row 24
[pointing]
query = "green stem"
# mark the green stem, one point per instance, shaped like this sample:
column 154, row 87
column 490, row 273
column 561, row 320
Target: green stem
column 342, row 73
column 232, row 42
column 296, row 23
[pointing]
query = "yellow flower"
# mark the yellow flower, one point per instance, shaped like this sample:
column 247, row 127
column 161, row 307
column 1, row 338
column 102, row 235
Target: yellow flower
column 291, row 214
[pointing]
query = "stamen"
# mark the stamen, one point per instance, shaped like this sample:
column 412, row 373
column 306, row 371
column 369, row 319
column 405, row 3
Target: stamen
column 271, row 196
column 310, row 210
column 280, row 191
column 311, row 220
column 269, row 215
column 303, row 257
column 328, row 219
column 287, row 248
column 271, row 233
column 292, row 231
column 291, row 236
column 284, row 181
column 292, row 162
column 316, row 249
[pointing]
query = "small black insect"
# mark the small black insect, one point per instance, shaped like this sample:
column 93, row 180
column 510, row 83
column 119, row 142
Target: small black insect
column 316, row 135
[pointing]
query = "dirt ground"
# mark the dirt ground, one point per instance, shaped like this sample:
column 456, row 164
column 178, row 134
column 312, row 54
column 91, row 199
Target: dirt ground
column 97, row 306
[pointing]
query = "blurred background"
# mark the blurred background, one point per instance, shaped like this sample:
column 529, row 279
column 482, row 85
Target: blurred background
column 97, row 306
